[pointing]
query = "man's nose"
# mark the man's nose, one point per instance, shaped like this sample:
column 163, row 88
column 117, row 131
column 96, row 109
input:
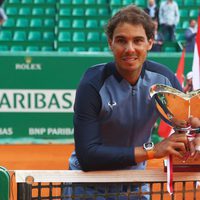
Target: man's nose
column 130, row 47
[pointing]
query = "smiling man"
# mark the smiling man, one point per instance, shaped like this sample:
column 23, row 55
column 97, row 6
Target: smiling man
column 113, row 113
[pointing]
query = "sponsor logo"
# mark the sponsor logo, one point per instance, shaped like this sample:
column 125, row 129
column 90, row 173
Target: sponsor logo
column 28, row 65
column 111, row 104
column 29, row 100
column 54, row 131
column 6, row 131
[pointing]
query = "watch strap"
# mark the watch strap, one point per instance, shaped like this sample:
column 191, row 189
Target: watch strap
column 150, row 154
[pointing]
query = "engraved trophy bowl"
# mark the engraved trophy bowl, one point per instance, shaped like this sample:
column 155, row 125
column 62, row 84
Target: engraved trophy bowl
column 175, row 108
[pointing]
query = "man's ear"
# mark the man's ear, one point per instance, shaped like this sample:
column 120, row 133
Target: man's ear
column 151, row 41
column 110, row 44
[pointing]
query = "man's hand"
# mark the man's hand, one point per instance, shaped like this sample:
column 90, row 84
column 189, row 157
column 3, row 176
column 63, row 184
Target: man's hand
column 175, row 144
column 194, row 144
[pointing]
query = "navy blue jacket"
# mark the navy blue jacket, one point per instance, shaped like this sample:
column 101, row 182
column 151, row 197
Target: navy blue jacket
column 112, row 117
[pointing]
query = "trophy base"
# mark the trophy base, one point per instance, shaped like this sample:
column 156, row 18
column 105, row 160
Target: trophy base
column 179, row 165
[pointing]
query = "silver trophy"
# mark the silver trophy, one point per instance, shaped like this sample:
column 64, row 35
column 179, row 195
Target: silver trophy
column 176, row 108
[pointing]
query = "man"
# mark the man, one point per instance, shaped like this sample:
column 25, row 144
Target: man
column 188, row 86
column 190, row 35
column 113, row 113
column 152, row 10
column 169, row 17
column 158, row 38
column 3, row 16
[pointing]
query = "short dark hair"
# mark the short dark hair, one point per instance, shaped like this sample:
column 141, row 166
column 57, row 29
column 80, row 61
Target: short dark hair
column 133, row 15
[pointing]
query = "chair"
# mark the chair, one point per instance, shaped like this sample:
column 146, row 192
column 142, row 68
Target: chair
column 102, row 22
column 4, row 48
column 78, row 12
column 183, row 12
column 50, row 11
column 12, row 11
column 49, row 22
column 198, row 2
column 68, row 2
column 115, row 2
column 37, row 11
column 65, row 12
column 194, row 13
column 169, row 47
column 77, row 1
column 106, row 49
column 91, row 12
column 5, row 35
column 185, row 24
column 90, row 2
column 102, row 2
column 179, row 26
column 91, row 23
column 32, row 48
column 14, row 1
column 103, row 37
column 93, row 37
column 39, row 1
column 180, row 2
column 10, row 22
column 47, row 48
column 189, row 3
column 22, row 22
column 27, row 1
column 64, row 23
column 180, row 36
column 114, row 11
column 103, row 12
column 94, row 49
column 126, row 2
column 36, row 23
column 51, row 1
column 77, row 49
column 141, row 3
column 64, row 49
column 34, row 36
column 78, row 37
column 20, row 36
column 48, row 36
column 17, row 48
column 78, row 23
column 64, row 36
column 25, row 11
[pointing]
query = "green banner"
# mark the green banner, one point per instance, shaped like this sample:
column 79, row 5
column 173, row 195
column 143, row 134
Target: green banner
column 37, row 92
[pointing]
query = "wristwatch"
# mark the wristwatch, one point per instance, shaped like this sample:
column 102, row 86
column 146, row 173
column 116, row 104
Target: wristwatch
column 149, row 147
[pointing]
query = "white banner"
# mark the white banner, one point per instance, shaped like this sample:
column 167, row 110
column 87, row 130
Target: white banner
column 29, row 100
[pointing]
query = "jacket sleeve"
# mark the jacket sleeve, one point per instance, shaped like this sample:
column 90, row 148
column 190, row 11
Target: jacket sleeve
column 92, row 154
column 189, row 35
column 177, row 14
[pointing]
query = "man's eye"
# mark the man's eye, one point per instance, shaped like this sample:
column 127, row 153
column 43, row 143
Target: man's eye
column 122, row 41
column 138, row 40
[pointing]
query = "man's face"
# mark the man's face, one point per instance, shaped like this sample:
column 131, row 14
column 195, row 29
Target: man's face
column 1, row 21
column 151, row 2
column 129, row 46
column 192, row 23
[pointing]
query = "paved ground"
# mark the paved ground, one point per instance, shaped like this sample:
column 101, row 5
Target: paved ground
column 45, row 157
column 51, row 156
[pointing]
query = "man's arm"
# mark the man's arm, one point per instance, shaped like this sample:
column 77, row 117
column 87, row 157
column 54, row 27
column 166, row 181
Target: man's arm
column 92, row 153
column 189, row 35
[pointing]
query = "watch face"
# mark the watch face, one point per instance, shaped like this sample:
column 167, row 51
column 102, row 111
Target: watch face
column 148, row 145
